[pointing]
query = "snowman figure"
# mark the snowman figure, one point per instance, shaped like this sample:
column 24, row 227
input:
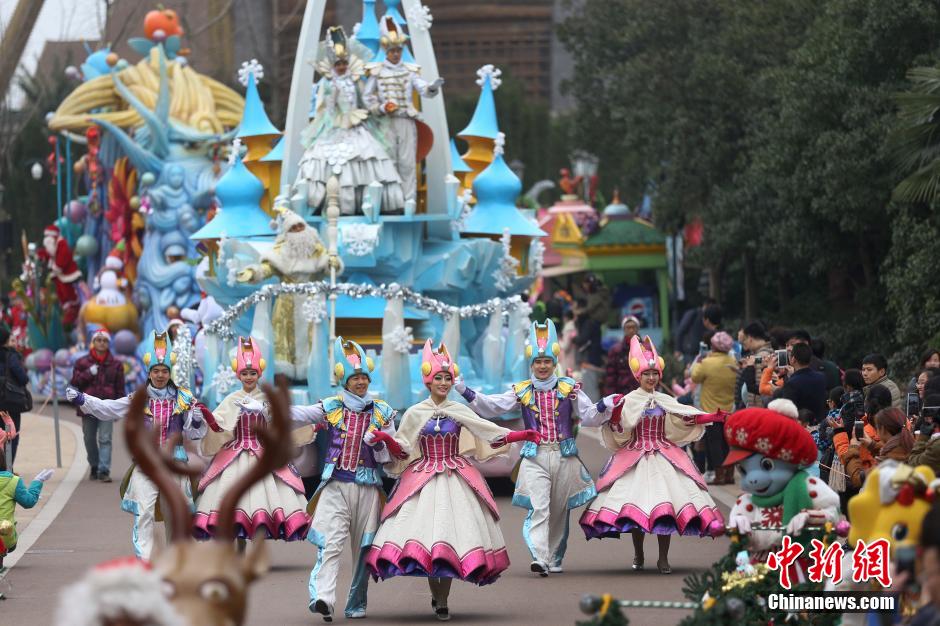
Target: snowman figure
column 773, row 450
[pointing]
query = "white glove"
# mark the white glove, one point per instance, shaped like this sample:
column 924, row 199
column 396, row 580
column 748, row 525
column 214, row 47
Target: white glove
column 797, row 523
column 251, row 404
column 459, row 385
column 437, row 84
column 369, row 438
column 93, row 369
column 742, row 523
column 609, row 401
column 44, row 475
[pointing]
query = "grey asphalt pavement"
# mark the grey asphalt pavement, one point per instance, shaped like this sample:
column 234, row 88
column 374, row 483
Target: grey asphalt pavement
column 92, row 529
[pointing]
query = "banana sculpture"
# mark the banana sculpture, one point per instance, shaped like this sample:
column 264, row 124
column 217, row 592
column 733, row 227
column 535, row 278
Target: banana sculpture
column 196, row 100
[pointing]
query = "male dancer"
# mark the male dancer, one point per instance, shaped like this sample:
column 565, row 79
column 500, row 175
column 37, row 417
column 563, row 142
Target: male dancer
column 171, row 410
column 349, row 500
column 552, row 479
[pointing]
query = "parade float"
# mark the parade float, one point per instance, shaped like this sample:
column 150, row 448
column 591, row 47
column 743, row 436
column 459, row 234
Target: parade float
column 325, row 231
column 192, row 196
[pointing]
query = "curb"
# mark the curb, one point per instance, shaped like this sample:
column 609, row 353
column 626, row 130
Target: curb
column 57, row 501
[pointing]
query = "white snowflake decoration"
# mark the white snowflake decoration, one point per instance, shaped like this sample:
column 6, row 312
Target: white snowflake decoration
column 314, row 310
column 493, row 72
column 223, row 379
column 234, row 151
column 786, row 455
column 401, row 339
column 499, row 144
column 763, row 445
column 247, row 69
column 536, row 257
column 355, row 28
column 419, row 16
column 505, row 274
column 741, row 436
column 360, row 239
column 465, row 209
column 183, row 347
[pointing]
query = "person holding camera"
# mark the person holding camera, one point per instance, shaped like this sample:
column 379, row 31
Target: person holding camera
column 805, row 387
column 927, row 430
column 894, row 442
column 756, row 342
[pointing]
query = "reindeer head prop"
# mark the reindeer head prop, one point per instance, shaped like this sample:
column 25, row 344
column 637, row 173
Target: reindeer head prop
column 207, row 582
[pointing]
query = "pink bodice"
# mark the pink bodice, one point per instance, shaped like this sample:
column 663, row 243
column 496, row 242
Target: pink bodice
column 356, row 425
column 439, row 443
column 650, row 433
column 548, row 416
column 161, row 412
column 245, row 437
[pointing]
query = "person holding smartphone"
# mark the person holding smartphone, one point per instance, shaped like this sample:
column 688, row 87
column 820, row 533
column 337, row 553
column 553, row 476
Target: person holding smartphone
column 927, row 430
column 895, row 443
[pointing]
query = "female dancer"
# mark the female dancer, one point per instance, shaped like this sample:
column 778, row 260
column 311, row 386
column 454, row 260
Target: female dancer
column 171, row 411
column 650, row 485
column 276, row 504
column 441, row 519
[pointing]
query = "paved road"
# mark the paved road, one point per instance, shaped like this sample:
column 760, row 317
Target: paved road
column 92, row 528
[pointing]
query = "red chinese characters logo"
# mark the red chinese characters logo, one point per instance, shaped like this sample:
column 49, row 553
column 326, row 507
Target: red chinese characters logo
column 870, row 561
column 784, row 558
column 826, row 561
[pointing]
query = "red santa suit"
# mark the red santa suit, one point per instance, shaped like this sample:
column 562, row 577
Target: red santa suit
column 57, row 256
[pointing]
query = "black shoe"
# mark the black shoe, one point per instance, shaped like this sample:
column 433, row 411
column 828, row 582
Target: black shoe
column 443, row 614
column 93, row 475
column 104, row 477
column 539, row 568
column 323, row 609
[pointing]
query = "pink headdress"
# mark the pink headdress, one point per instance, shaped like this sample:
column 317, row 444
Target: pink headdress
column 643, row 356
column 248, row 356
column 434, row 361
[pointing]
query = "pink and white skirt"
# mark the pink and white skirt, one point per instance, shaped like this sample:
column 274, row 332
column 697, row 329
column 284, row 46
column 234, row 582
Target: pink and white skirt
column 443, row 531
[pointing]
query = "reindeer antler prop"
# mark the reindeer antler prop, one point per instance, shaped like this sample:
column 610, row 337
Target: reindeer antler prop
column 208, row 581
column 158, row 465
column 276, row 441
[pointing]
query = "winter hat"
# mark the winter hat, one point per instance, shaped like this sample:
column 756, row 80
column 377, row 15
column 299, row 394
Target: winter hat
column 722, row 342
column 51, row 231
column 773, row 432
column 628, row 319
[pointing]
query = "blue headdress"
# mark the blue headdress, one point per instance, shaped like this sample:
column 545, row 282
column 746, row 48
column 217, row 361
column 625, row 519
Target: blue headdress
column 542, row 342
column 158, row 351
column 350, row 360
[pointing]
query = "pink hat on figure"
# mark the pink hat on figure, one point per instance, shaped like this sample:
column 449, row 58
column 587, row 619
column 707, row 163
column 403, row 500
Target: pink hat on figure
column 722, row 341
column 248, row 356
column 643, row 356
column 434, row 361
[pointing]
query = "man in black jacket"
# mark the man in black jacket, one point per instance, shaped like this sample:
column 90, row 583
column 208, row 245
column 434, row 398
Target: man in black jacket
column 805, row 386
column 590, row 353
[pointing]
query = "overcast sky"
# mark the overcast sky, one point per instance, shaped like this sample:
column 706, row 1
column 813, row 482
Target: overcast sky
column 59, row 19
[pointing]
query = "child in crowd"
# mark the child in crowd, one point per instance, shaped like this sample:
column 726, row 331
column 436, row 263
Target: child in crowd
column 13, row 492
column 806, row 418
column 684, row 392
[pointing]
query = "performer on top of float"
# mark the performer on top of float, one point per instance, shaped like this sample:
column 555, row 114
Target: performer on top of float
column 275, row 506
column 348, row 501
column 341, row 140
column 442, row 521
column 389, row 94
column 171, row 411
column 650, row 485
column 552, row 479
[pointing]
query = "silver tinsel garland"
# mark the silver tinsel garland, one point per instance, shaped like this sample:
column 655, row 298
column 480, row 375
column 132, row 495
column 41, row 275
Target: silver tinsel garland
column 223, row 326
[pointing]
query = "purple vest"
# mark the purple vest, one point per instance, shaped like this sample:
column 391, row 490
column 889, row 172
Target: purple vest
column 563, row 421
column 337, row 439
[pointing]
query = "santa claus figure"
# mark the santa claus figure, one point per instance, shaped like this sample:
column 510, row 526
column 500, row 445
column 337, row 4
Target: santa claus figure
column 57, row 256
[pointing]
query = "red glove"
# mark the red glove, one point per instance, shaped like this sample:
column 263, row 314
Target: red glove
column 518, row 435
column 711, row 418
column 616, row 415
column 394, row 447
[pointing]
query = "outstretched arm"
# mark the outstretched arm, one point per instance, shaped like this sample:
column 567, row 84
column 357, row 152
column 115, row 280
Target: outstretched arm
column 308, row 414
column 593, row 413
column 104, row 410
column 489, row 406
